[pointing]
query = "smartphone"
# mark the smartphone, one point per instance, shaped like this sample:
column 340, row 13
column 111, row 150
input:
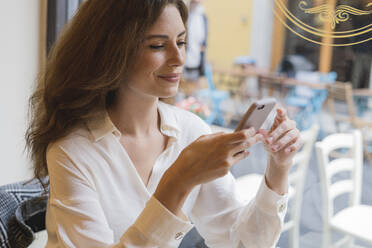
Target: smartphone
column 256, row 114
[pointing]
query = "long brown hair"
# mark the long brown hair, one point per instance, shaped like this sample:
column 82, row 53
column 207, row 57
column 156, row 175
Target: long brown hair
column 85, row 68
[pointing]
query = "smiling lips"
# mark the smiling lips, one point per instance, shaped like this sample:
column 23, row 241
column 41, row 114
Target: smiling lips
column 172, row 77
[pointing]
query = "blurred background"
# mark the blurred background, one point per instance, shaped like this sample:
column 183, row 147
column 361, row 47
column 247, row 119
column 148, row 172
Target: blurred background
column 238, row 52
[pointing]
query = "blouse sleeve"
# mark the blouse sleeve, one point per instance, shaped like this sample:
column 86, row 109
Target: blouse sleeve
column 78, row 220
column 223, row 221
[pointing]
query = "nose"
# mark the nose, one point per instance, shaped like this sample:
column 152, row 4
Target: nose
column 176, row 56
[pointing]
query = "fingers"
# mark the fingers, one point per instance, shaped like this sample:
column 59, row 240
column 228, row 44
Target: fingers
column 294, row 147
column 240, row 136
column 232, row 143
column 286, row 141
column 281, row 130
column 240, row 147
column 264, row 133
column 212, row 135
column 233, row 146
column 239, row 156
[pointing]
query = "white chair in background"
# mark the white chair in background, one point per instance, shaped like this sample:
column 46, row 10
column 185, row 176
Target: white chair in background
column 247, row 186
column 354, row 221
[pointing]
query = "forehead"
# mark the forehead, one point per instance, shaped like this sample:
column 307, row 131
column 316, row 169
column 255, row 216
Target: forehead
column 169, row 21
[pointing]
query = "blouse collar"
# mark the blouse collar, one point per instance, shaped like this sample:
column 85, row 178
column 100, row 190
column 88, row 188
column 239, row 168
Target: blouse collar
column 168, row 124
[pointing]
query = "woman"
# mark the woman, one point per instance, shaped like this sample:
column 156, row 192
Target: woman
column 126, row 169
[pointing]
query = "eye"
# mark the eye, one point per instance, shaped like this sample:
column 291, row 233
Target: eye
column 156, row 47
column 182, row 43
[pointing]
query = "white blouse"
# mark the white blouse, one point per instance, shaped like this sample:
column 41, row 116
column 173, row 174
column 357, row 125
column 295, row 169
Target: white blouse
column 97, row 198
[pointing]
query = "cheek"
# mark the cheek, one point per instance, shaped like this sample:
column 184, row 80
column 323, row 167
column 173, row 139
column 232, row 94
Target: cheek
column 184, row 54
column 149, row 66
column 145, row 70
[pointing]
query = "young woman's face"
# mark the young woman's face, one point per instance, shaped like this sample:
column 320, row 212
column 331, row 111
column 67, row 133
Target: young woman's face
column 157, row 70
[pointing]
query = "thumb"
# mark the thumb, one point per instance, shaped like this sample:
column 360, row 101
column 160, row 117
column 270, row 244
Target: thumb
column 281, row 115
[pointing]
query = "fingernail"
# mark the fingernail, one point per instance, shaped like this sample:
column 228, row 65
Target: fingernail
column 269, row 140
column 275, row 147
column 287, row 150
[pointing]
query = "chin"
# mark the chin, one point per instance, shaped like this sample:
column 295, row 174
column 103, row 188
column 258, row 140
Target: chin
column 168, row 98
column 168, row 95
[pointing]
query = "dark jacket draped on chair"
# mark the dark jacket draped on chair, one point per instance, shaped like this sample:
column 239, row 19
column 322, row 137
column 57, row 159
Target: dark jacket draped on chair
column 22, row 213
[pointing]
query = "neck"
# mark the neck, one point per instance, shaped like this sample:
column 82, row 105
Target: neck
column 135, row 114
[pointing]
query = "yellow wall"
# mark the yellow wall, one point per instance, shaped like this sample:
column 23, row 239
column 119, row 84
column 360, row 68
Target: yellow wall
column 229, row 34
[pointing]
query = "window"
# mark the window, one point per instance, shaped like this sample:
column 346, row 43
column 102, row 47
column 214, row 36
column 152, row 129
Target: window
column 59, row 12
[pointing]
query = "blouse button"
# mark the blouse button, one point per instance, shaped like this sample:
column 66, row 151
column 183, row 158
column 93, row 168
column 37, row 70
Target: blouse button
column 179, row 236
column 281, row 208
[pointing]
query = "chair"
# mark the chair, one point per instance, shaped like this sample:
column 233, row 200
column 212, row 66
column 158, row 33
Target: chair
column 341, row 93
column 354, row 221
column 247, row 186
column 229, row 80
column 242, row 90
column 308, row 101
column 271, row 82
column 216, row 97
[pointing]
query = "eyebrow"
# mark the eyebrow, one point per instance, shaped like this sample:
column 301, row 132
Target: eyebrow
column 161, row 36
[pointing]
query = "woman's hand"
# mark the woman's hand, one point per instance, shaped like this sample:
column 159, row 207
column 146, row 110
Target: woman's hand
column 211, row 156
column 282, row 142
column 207, row 158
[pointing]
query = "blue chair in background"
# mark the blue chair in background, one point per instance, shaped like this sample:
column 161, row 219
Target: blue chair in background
column 215, row 96
column 308, row 101
column 244, row 61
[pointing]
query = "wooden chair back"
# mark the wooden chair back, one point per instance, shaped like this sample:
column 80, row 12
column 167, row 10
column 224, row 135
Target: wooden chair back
column 341, row 92
column 271, row 82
